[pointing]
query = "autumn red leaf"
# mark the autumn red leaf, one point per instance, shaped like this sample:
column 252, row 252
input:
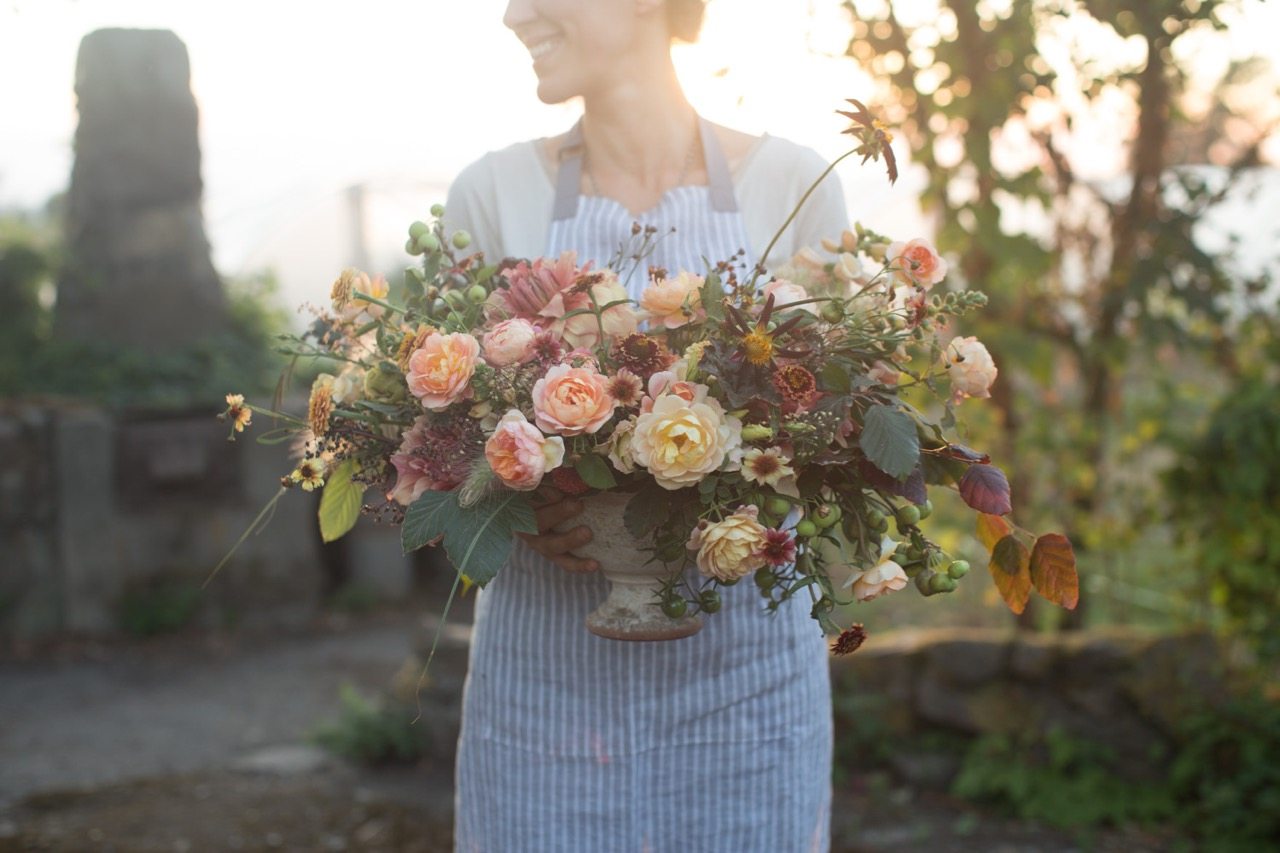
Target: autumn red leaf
column 1053, row 570
column 986, row 489
column 991, row 529
column 1010, row 569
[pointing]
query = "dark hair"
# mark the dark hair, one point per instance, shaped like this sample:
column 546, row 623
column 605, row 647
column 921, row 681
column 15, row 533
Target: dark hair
column 684, row 18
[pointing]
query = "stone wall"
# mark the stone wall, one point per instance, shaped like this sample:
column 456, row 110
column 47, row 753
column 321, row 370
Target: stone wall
column 1123, row 689
column 98, row 506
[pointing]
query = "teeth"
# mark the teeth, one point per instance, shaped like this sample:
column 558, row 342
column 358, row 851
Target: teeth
column 542, row 48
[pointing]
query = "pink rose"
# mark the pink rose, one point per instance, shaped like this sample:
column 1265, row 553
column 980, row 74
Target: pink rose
column 786, row 293
column 520, row 454
column 509, row 342
column 440, row 370
column 572, row 400
column 917, row 262
column 674, row 302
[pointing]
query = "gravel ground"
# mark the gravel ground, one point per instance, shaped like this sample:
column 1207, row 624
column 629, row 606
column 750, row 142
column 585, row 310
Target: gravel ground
column 198, row 743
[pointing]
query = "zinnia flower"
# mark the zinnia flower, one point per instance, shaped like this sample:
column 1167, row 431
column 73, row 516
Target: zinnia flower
column 680, row 442
column 850, row 640
column 572, row 400
column 732, row 548
column 798, row 387
column 440, row 370
column 643, row 355
column 970, row 367
column 309, row 474
column 884, row 576
column 520, row 454
column 779, row 548
column 626, row 388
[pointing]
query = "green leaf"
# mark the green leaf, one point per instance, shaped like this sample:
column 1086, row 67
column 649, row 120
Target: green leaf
column 889, row 439
column 594, row 471
column 648, row 508
column 712, row 296
column 835, row 378
column 477, row 539
column 340, row 501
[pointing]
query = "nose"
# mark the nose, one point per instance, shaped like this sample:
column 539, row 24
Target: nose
column 518, row 14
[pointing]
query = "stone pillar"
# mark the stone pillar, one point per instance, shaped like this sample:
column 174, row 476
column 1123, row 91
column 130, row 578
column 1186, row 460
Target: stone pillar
column 139, row 271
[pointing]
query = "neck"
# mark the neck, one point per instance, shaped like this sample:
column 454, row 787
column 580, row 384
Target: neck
column 640, row 132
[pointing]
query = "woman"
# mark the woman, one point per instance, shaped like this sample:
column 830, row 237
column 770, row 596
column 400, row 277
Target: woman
column 570, row 742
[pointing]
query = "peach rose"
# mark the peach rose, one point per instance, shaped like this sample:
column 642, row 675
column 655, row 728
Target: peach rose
column 583, row 330
column 917, row 262
column 572, row 400
column 440, row 370
column 970, row 367
column 674, row 302
column 885, row 576
column 732, row 548
column 680, row 442
column 520, row 454
column 509, row 342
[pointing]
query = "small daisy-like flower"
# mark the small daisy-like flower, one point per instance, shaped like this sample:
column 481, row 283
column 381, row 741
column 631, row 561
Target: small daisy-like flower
column 850, row 640
column 625, row 387
column 320, row 406
column 766, row 467
column 237, row 412
column 309, row 474
column 757, row 346
column 779, row 548
column 411, row 342
column 796, row 385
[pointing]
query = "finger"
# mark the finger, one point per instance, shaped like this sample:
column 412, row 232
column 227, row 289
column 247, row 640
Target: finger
column 553, row 515
column 576, row 565
column 552, row 545
column 547, row 495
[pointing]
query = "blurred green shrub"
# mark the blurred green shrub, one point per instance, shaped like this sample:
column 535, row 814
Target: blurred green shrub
column 1226, row 494
column 158, row 606
column 33, row 362
column 369, row 732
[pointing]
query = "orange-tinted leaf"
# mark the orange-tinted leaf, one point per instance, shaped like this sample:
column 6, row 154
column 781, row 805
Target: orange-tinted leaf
column 1010, row 569
column 991, row 529
column 1053, row 570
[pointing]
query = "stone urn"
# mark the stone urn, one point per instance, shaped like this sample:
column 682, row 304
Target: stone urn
column 633, row 609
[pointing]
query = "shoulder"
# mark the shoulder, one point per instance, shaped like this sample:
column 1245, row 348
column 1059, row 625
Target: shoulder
column 520, row 160
column 777, row 158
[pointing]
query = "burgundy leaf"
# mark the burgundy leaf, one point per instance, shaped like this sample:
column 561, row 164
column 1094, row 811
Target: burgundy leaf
column 986, row 489
column 913, row 488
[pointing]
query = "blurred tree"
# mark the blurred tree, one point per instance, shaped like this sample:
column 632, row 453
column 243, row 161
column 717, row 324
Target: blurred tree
column 1102, row 298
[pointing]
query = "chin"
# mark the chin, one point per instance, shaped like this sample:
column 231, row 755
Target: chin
column 551, row 91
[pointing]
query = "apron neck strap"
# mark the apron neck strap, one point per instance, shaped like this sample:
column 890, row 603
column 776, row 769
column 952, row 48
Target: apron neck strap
column 569, row 176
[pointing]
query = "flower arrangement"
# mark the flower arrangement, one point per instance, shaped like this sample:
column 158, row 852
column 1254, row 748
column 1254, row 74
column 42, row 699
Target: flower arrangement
column 764, row 424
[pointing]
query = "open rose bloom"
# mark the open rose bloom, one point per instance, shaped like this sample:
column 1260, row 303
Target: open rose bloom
column 750, row 415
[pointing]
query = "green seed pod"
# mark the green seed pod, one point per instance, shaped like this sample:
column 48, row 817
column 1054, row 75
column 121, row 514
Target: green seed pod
column 437, row 210
column 457, row 299
column 709, row 601
column 428, row 242
column 923, row 581
column 908, row 515
column 417, row 229
column 764, row 579
column 826, row 515
column 806, row 529
column 777, row 505
column 942, row 583
column 477, row 294
column 833, row 312
column 461, row 239
column 926, row 509
column 674, row 608
column 958, row 569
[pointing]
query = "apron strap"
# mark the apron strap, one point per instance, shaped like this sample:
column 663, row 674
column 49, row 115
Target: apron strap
column 569, row 177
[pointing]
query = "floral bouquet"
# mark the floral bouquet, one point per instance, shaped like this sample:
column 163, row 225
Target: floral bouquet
column 748, row 424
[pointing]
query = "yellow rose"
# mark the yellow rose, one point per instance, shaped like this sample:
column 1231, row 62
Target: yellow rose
column 729, row 549
column 682, row 440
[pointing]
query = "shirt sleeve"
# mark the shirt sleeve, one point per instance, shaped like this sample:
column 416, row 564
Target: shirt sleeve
column 471, row 206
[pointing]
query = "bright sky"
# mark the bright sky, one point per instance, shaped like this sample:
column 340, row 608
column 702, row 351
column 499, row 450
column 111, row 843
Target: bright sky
column 298, row 102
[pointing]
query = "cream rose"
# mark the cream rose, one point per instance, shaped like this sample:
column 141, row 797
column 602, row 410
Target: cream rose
column 884, row 576
column 970, row 367
column 440, row 370
column 917, row 261
column 583, row 330
column 618, row 448
column 732, row 548
column 520, row 454
column 674, row 302
column 572, row 400
column 680, row 441
column 509, row 342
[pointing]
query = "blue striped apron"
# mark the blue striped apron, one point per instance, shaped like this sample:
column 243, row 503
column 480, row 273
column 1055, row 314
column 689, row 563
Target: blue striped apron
column 570, row 742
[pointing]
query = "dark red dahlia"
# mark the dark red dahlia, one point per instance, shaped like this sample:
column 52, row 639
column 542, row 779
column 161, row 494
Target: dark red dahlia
column 797, row 386
column 850, row 640
column 643, row 355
